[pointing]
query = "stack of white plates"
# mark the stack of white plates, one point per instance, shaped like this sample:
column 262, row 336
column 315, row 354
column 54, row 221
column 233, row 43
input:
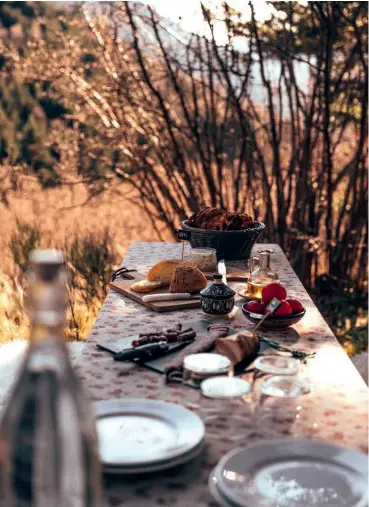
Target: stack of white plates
column 291, row 473
column 140, row 436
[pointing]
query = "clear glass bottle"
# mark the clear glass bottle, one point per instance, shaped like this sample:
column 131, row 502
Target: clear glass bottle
column 48, row 444
column 261, row 275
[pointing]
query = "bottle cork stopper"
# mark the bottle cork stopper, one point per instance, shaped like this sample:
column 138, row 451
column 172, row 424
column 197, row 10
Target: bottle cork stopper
column 47, row 263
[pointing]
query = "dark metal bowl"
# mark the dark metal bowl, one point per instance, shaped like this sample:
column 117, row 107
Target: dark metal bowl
column 230, row 245
column 274, row 321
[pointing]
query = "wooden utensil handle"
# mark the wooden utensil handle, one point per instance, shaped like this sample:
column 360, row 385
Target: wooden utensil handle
column 166, row 297
column 261, row 321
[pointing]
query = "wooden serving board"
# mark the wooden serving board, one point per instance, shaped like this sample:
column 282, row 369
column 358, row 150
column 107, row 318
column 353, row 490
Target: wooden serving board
column 123, row 286
column 234, row 274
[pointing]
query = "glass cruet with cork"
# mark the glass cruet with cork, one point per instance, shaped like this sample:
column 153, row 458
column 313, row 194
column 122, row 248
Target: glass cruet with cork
column 261, row 274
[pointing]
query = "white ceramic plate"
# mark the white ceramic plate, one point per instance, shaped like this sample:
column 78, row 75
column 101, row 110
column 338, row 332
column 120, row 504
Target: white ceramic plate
column 140, row 432
column 216, row 494
column 224, row 387
column 293, row 473
column 162, row 465
column 277, row 365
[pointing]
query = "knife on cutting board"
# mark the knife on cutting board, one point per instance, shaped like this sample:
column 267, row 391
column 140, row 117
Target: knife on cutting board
column 222, row 270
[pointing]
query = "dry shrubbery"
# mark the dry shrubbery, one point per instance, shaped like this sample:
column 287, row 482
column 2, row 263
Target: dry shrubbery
column 94, row 237
column 90, row 260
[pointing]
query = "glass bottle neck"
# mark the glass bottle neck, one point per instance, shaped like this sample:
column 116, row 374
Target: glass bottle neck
column 41, row 331
column 265, row 260
column 46, row 304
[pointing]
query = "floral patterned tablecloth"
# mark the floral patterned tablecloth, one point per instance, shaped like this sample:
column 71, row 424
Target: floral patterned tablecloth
column 335, row 410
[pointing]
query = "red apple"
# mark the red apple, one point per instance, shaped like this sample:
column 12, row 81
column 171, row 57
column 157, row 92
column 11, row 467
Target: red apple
column 255, row 307
column 295, row 305
column 283, row 310
column 273, row 290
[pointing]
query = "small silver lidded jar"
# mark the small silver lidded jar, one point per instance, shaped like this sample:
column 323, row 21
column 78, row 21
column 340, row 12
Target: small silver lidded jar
column 217, row 298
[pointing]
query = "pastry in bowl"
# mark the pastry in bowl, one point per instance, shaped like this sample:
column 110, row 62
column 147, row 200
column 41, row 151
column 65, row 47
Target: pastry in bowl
column 232, row 235
column 220, row 220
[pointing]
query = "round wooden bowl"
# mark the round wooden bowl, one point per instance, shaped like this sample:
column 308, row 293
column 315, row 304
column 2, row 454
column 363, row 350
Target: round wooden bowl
column 273, row 322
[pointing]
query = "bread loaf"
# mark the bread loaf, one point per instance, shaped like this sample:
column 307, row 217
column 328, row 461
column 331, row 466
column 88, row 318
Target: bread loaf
column 238, row 347
column 187, row 278
column 219, row 220
column 163, row 271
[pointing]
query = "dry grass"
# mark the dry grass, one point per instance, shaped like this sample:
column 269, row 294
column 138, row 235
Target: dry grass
column 61, row 218
column 59, row 215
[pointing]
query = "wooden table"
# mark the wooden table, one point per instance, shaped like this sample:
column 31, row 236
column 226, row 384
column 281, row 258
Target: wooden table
column 335, row 410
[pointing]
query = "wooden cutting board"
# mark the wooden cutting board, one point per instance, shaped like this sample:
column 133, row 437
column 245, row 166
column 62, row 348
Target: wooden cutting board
column 123, row 286
column 234, row 274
